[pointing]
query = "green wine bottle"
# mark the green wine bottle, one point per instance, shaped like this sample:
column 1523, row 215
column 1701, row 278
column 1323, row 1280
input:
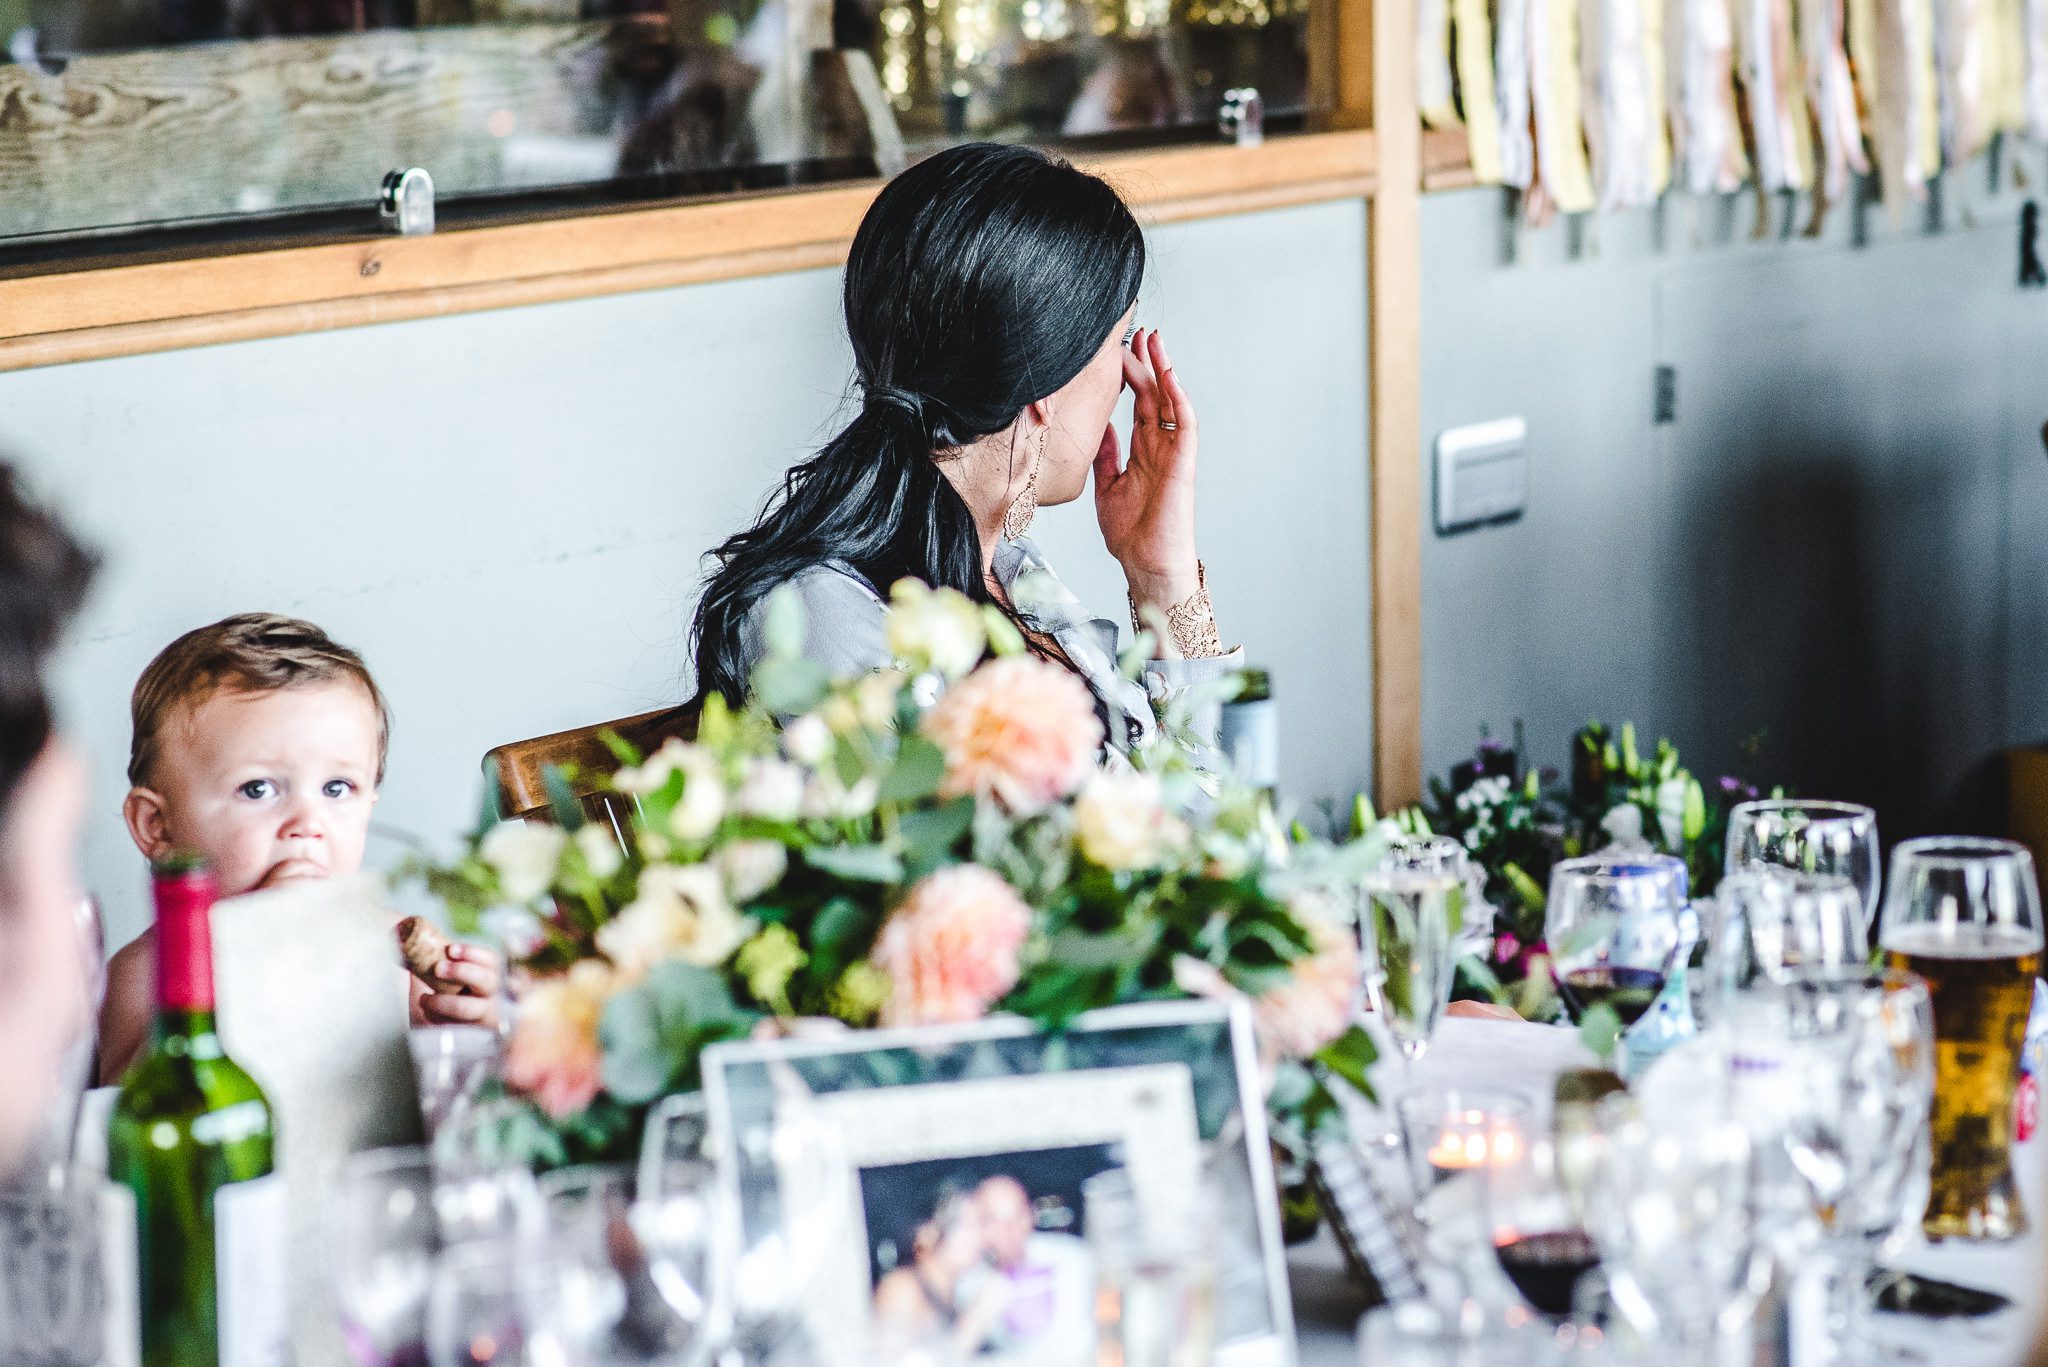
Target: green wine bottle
column 192, row 1140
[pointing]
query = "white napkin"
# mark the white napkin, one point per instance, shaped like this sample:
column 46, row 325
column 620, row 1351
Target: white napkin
column 312, row 1001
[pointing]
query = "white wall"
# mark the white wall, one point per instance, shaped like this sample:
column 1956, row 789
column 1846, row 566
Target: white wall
column 505, row 511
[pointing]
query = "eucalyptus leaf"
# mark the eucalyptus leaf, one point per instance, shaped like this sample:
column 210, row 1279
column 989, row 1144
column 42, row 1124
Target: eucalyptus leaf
column 1600, row 1029
column 790, row 685
column 919, row 769
column 1351, row 1056
column 691, row 998
column 837, row 936
column 857, row 863
column 782, row 623
column 637, row 1063
column 563, row 805
column 930, row 833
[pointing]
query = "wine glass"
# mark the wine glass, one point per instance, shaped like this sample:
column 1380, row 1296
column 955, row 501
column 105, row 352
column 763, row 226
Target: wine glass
column 483, row 1192
column 790, row 1193
column 1837, row 838
column 1409, row 923
column 1965, row 914
column 479, row 1307
column 53, row 1287
column 1613, row 925
column 1471, row 917
column 385, row 1237
column 676, row 1211
column 1537, row 1225
column 449, row 1064
column 593, row 1247
column 1770, row 924
column 1669, row 1207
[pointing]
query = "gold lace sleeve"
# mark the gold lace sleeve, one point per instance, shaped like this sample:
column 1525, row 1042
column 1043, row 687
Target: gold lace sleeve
column 1191, row 622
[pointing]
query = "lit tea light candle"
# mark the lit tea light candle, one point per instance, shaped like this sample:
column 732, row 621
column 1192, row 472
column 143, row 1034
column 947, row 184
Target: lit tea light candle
column 1465, row 1144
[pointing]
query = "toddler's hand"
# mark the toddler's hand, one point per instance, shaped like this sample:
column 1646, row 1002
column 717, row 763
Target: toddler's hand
column 464, row 990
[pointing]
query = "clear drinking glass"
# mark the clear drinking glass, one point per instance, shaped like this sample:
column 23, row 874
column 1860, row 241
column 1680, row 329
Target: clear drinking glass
column 1770, row 924
column 1837, row 838
column 483, row 1191
column 1410, row 919
column 676, row 1211
column 52, row 1283
column 385, row 1236
column 478, row 1307
column 449, row 1064
column 1613, row 925
column 1668, row 1206
column 1155, row 1272
column 1454, row 1130
column 1965, row 915
column 1537, row 1225
column 796, row 1189
column 591, row 1241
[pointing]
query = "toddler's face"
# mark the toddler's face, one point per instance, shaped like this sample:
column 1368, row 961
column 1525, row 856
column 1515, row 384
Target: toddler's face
column 271, row 787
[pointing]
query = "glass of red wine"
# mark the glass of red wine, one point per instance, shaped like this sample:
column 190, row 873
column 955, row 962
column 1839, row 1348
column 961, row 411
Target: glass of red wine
column 1613, row 926
column 1537, row 1226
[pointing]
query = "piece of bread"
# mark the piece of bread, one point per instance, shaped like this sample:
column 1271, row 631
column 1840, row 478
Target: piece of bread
column 425, row 949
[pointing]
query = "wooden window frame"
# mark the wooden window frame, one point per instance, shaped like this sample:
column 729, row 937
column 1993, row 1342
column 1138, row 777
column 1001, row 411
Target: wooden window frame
column 1371, row 148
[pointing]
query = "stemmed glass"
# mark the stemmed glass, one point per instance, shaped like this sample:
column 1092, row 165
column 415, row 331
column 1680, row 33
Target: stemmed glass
column 1471, row 918
column 1410, row 920
column 1669, row 1208
column 1965, row 914
column 1613, row 924
column 1837, row 838
column 592, row 1244
column 1769, row 925
column 385, row 1237
column 1537, row 1225
column 449, row 1064
column 676, row 1215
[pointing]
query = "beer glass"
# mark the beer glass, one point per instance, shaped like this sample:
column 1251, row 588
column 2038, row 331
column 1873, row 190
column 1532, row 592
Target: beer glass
column 1838, row 838
column 1965, row 914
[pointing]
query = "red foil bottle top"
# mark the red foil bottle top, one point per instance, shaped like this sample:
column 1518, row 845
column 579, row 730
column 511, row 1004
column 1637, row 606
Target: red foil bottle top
column 184, row 938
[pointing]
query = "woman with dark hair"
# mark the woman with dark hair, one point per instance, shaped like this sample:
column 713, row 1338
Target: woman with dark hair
column 989, row 299
column 43, row 575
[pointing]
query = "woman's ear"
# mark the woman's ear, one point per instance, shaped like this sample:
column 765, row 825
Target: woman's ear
column 143, row 810
column 1037, row 414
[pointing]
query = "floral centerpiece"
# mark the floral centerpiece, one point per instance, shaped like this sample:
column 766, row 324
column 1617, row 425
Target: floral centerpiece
column 920, row 846
column 1517, row 821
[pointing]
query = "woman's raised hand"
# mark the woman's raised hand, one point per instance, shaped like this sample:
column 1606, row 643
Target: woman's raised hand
column 1147, row 508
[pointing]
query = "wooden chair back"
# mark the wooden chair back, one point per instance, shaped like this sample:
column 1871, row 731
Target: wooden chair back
column 519, row 769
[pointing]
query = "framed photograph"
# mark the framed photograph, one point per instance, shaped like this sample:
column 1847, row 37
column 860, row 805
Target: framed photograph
column 942, row 1182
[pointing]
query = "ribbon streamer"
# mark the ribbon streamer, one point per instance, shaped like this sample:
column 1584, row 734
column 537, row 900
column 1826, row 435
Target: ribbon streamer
column 1706, row 127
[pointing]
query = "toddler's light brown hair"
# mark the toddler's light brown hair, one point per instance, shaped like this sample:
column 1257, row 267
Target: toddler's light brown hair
column 253, row 652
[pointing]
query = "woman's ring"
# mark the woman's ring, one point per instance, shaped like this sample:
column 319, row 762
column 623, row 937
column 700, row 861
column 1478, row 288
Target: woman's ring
column 1166, row 426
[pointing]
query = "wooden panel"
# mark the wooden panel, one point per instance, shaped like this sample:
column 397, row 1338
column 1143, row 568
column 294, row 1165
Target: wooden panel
column 1446, row 159
column 142, row 306
column 1394, row 345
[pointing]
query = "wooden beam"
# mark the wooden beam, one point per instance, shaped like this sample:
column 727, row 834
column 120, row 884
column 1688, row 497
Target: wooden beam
column 132, row 306
column 1394, row 347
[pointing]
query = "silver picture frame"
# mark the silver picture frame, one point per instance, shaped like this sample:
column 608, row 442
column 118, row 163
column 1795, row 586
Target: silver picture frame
column 1161, row 1086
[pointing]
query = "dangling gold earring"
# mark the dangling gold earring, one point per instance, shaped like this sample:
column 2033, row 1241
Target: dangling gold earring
column 1017, row 520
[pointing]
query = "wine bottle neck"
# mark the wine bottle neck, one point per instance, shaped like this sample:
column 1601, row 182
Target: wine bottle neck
column 193, row 1033
column 184, row 944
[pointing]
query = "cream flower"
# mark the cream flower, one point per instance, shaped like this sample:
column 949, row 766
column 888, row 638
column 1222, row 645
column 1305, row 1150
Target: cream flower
column 524, row 855
column 554, row 1055
column 1304, row 1013
column 950, row 948
column 682, row 913
column 827, row 799
column 1019, row 730
column 875, row 699
column 649, row 776
column 1121, row 822
column 935, row 629
column 808, row 740
column 702, row 805
column 601, row 852
column 773, row 790
column 751, row 867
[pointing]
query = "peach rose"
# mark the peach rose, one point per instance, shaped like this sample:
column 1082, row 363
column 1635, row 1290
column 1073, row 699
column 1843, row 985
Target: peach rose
column 1304, row 1013
column 950, row 948
column 1020, row 730
column 553, row 1055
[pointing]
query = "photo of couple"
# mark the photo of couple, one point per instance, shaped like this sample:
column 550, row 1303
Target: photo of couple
column 985, row 1255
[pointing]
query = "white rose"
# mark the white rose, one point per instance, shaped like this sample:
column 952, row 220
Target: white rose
column 751, row 867
column 681, row 912
column 875, row 699
column 1671, row 795
column 524, row 855
column 601, row 852
column 647, row 777
column 827, row 799
column 1624, row 825
column 808, row 740
column 1119, row 820
column 940, row 629
column 773, row 790
column 702, row 805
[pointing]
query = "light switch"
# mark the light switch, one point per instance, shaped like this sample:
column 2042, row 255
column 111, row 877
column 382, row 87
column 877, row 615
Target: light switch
column 1482, row 474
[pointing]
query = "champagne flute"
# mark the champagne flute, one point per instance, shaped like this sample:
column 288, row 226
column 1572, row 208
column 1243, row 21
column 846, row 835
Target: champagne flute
column 1408, row 929
column 1965, row 914
column 1837, row 838
column 1613, row 925
column 1471, row 917
column 385, row 1237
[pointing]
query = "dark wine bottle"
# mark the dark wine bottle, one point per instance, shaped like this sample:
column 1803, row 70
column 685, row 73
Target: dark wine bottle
column 192, row 1139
